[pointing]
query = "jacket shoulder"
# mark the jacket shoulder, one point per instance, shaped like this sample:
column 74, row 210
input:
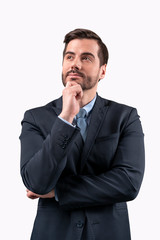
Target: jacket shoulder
column 116, row 105
column 119, row 111
column 43, row 114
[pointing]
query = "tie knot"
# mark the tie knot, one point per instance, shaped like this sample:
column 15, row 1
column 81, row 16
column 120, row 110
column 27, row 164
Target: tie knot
column 82, row 113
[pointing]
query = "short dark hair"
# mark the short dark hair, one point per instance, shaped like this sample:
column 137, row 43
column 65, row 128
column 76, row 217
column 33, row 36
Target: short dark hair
column 80, row 33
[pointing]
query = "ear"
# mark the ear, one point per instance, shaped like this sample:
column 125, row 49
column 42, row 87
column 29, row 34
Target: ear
column 102, row 71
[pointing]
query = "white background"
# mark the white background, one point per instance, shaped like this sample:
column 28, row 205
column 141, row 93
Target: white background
column 31, row 45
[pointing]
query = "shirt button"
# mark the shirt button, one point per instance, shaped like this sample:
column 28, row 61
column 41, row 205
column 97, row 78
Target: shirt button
column 79, row 224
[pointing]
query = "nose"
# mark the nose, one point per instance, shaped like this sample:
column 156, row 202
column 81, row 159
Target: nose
column 76, row 64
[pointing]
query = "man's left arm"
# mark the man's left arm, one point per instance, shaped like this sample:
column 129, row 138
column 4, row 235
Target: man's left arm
column 120, row 184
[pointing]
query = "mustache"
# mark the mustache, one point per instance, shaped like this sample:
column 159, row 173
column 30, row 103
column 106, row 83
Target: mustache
column 75, row 71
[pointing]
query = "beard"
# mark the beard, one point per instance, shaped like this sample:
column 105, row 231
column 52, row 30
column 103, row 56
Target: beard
column 86, row 82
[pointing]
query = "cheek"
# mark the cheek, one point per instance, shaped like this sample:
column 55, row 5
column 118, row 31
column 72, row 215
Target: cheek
column 94, row 72
column 65, row 67
column 64, row 70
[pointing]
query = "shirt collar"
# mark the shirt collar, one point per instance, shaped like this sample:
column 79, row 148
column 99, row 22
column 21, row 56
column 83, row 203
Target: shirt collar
column 90, row 105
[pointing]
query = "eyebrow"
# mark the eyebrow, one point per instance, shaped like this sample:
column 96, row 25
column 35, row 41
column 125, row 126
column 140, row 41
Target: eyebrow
column 88, row 53
column 84, row 53
column 69, row 52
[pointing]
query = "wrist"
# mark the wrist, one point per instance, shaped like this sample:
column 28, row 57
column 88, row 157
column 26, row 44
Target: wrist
column 68, row 118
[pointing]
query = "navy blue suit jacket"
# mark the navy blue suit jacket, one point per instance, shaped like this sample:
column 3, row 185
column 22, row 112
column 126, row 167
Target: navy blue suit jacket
column 93, row 180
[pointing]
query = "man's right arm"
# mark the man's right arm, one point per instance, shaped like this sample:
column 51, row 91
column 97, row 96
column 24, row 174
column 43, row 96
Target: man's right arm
column 43, row 159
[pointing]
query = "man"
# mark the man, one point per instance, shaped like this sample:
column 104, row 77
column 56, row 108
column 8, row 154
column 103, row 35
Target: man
column 84, row 168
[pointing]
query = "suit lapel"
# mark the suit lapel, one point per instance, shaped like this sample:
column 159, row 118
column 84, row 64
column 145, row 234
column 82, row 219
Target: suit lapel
column 97, row 116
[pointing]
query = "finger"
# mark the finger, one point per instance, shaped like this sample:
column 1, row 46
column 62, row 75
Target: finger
column 32, row 195
column 78, row 90
column 75, row 90
column 71, row 83
column 29, row 194
column 68, row 84
column 32, row 198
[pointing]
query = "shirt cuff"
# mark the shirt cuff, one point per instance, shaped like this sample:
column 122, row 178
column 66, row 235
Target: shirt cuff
column 67, row 122
column 55, row 193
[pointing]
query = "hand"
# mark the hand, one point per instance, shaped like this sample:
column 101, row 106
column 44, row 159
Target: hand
column 72, row 96
column 33, row 195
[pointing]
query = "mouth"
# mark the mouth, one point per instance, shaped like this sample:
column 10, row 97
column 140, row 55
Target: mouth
column 74, row 74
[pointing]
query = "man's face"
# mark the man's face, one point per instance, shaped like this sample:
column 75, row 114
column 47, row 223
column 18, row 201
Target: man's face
column 81, row 63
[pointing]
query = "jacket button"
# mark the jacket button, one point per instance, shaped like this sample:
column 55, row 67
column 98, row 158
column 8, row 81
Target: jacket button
column 79, row 224
column 66, row 137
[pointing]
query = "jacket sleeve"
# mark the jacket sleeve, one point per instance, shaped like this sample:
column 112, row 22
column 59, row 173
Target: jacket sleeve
column 43, row 158
column 119, row 184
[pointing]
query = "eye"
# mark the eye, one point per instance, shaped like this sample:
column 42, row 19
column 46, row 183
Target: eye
column 69, row 57
column 85, row 58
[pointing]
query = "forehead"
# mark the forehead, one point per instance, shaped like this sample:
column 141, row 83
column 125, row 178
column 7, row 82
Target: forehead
column 78, row 46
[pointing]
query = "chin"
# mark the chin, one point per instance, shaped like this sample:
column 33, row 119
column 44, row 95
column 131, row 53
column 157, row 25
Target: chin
column 77, row 80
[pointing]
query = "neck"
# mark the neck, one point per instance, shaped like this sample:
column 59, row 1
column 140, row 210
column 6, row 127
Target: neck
column 88, row 96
